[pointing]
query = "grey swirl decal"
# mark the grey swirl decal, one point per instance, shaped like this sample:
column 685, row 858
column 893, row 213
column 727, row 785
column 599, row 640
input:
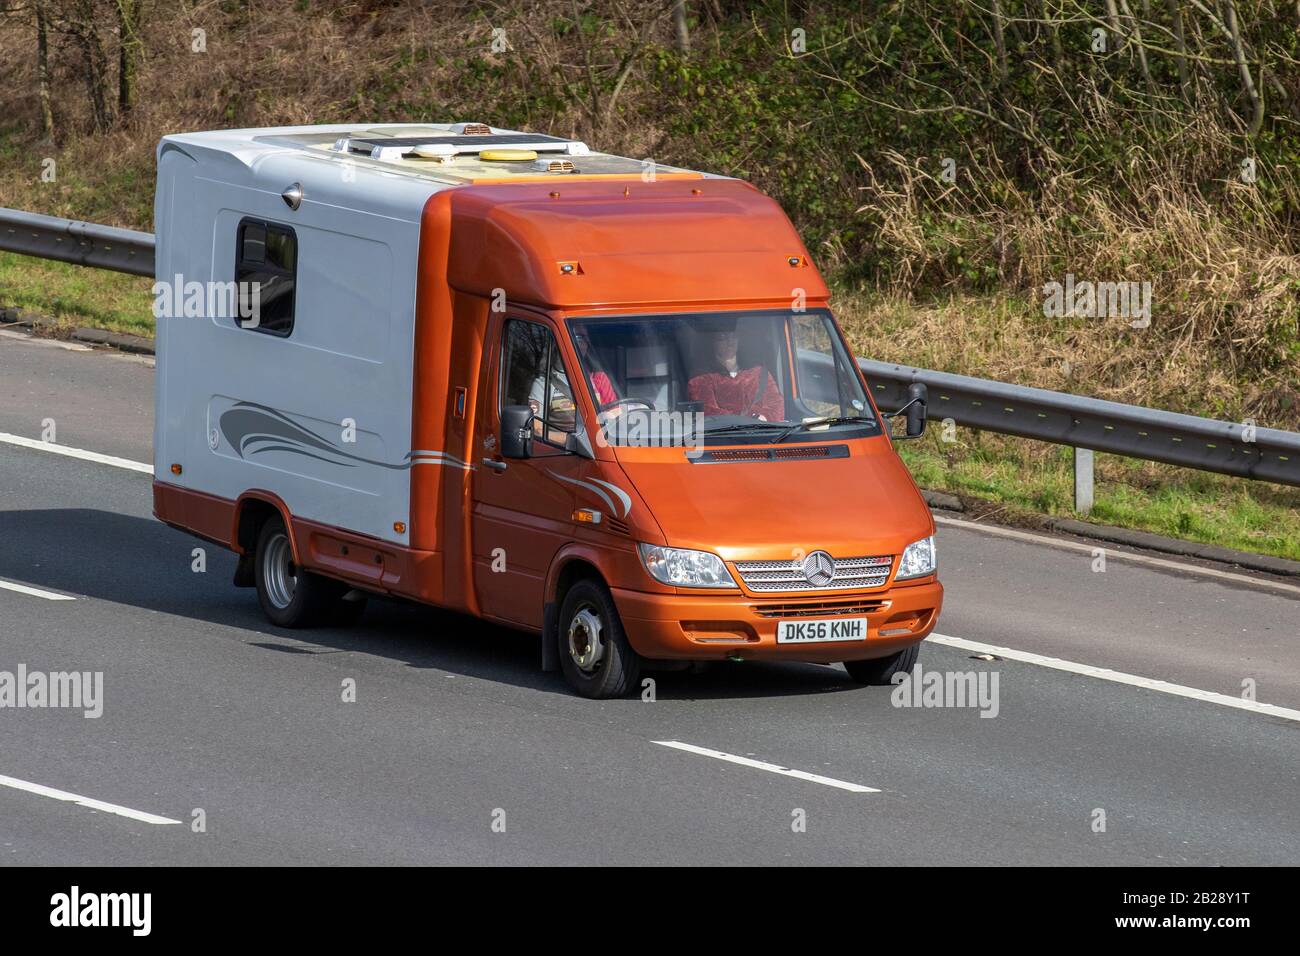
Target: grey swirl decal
column 598, row 488
column 253, row 429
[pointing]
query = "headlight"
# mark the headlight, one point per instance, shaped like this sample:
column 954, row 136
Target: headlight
column 918, row 560
column 685, row 569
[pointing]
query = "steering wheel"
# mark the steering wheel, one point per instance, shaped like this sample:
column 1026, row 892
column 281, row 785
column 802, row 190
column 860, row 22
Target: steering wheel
column 627, row 401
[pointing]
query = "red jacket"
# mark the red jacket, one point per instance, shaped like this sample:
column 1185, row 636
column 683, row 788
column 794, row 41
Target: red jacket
column 721, row 394
column 603, row 387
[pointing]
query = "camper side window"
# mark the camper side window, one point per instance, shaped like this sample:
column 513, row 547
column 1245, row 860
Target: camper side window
column 266, row 266
column 533, row 374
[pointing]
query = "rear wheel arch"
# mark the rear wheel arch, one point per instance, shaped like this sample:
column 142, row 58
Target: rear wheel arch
column 251, row 511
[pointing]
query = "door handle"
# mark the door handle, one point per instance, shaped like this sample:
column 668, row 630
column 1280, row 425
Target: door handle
column 495, row 465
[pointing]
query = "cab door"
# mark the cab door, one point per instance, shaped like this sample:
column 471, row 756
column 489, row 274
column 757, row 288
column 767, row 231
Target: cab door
column 522, row 511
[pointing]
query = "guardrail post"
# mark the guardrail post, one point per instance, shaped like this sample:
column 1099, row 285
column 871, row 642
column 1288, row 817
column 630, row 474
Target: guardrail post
column 1083, row 480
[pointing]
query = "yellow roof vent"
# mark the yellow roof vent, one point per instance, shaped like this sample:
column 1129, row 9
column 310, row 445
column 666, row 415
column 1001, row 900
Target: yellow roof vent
column 508, row 155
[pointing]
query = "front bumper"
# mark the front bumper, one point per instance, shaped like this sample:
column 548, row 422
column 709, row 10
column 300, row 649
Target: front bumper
column 714, row 626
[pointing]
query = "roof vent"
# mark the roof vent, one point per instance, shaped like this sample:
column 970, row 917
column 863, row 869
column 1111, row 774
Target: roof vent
column 476, row 129
column 442, row 153
column 388, row 154
column 554, row 165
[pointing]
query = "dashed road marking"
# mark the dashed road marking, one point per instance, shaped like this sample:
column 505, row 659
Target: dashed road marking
column 35, row 592
column 769, row 767
column 81, row 453
column 87, row 802
column 1118, row 677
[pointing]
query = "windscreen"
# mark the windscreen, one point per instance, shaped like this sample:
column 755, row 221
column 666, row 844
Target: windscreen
column 733, row 377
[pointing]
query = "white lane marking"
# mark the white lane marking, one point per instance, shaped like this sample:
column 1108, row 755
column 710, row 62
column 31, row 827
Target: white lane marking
column 35, row 592
column 87, row 802
column 44, row 343
column 76, row 453
column 1118, row 677
column 770, row 767
column 1112, row 551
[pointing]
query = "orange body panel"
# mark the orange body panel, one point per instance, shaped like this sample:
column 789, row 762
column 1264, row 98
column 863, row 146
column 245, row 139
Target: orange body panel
column 493, row 252
column 690, row 626
column 728, row 244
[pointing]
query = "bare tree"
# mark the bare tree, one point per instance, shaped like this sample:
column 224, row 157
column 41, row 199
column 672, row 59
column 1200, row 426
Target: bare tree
column 1000, row 42
column 80, row 23
column 1243, row 68
column 1180, row 44
column 43, row 70
column 679, row 26
column 128, row 53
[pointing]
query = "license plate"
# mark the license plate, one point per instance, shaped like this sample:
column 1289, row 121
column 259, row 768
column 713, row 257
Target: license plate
column 821, row 631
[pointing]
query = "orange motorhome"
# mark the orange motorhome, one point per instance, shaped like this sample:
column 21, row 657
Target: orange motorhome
column 499, row 373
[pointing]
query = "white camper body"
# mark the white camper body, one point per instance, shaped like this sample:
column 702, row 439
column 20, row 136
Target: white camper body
column 319, row 418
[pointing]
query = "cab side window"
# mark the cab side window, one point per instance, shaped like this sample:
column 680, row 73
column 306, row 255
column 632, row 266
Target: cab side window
column 533, row 374
column 266, row 269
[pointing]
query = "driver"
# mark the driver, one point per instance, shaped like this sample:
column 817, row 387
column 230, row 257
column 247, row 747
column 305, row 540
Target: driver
column 728, row 389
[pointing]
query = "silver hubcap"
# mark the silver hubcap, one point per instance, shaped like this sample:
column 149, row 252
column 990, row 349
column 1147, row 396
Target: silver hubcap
column 586, row 643
column 279, row 573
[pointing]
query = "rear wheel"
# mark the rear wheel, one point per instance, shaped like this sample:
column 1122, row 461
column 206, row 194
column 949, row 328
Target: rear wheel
column 595, row 655
column 290, row 596
column 881, row 670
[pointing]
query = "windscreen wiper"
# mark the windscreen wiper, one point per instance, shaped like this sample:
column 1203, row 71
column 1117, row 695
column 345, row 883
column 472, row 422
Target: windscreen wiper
column 818, row 423
column 738, row 427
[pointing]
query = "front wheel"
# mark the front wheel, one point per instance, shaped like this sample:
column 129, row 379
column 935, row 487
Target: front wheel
column 595, row 655
column 881, row 670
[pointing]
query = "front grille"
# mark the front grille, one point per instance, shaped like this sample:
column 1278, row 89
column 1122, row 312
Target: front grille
column 850, row 573
column 818, row 608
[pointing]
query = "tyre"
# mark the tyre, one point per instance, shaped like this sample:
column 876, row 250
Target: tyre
column 881, row 670
column 597, row 660
column 290, row 596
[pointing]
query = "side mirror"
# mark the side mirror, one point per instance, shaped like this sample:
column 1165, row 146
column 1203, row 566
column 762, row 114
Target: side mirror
column 915, row 409
column 517, row 431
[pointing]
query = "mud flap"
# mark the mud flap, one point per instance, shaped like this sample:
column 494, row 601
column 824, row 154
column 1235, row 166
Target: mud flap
column 550, row 649
column 244, row 570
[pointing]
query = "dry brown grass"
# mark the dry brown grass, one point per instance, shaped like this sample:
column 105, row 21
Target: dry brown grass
column 1225, row 286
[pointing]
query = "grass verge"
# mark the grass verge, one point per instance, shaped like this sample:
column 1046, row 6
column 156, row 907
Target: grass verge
column 76, row 295
column 1019, row 481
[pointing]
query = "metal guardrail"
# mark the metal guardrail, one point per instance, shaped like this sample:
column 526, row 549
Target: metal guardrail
column 1086, row 424
column 1230, row 448
column 81, row 243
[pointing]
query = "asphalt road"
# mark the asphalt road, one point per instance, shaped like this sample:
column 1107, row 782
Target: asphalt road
column 454, row 729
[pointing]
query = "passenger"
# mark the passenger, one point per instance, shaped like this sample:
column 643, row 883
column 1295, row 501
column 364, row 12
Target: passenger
column 728, row 389
column 563, row 402
column 600, row 382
